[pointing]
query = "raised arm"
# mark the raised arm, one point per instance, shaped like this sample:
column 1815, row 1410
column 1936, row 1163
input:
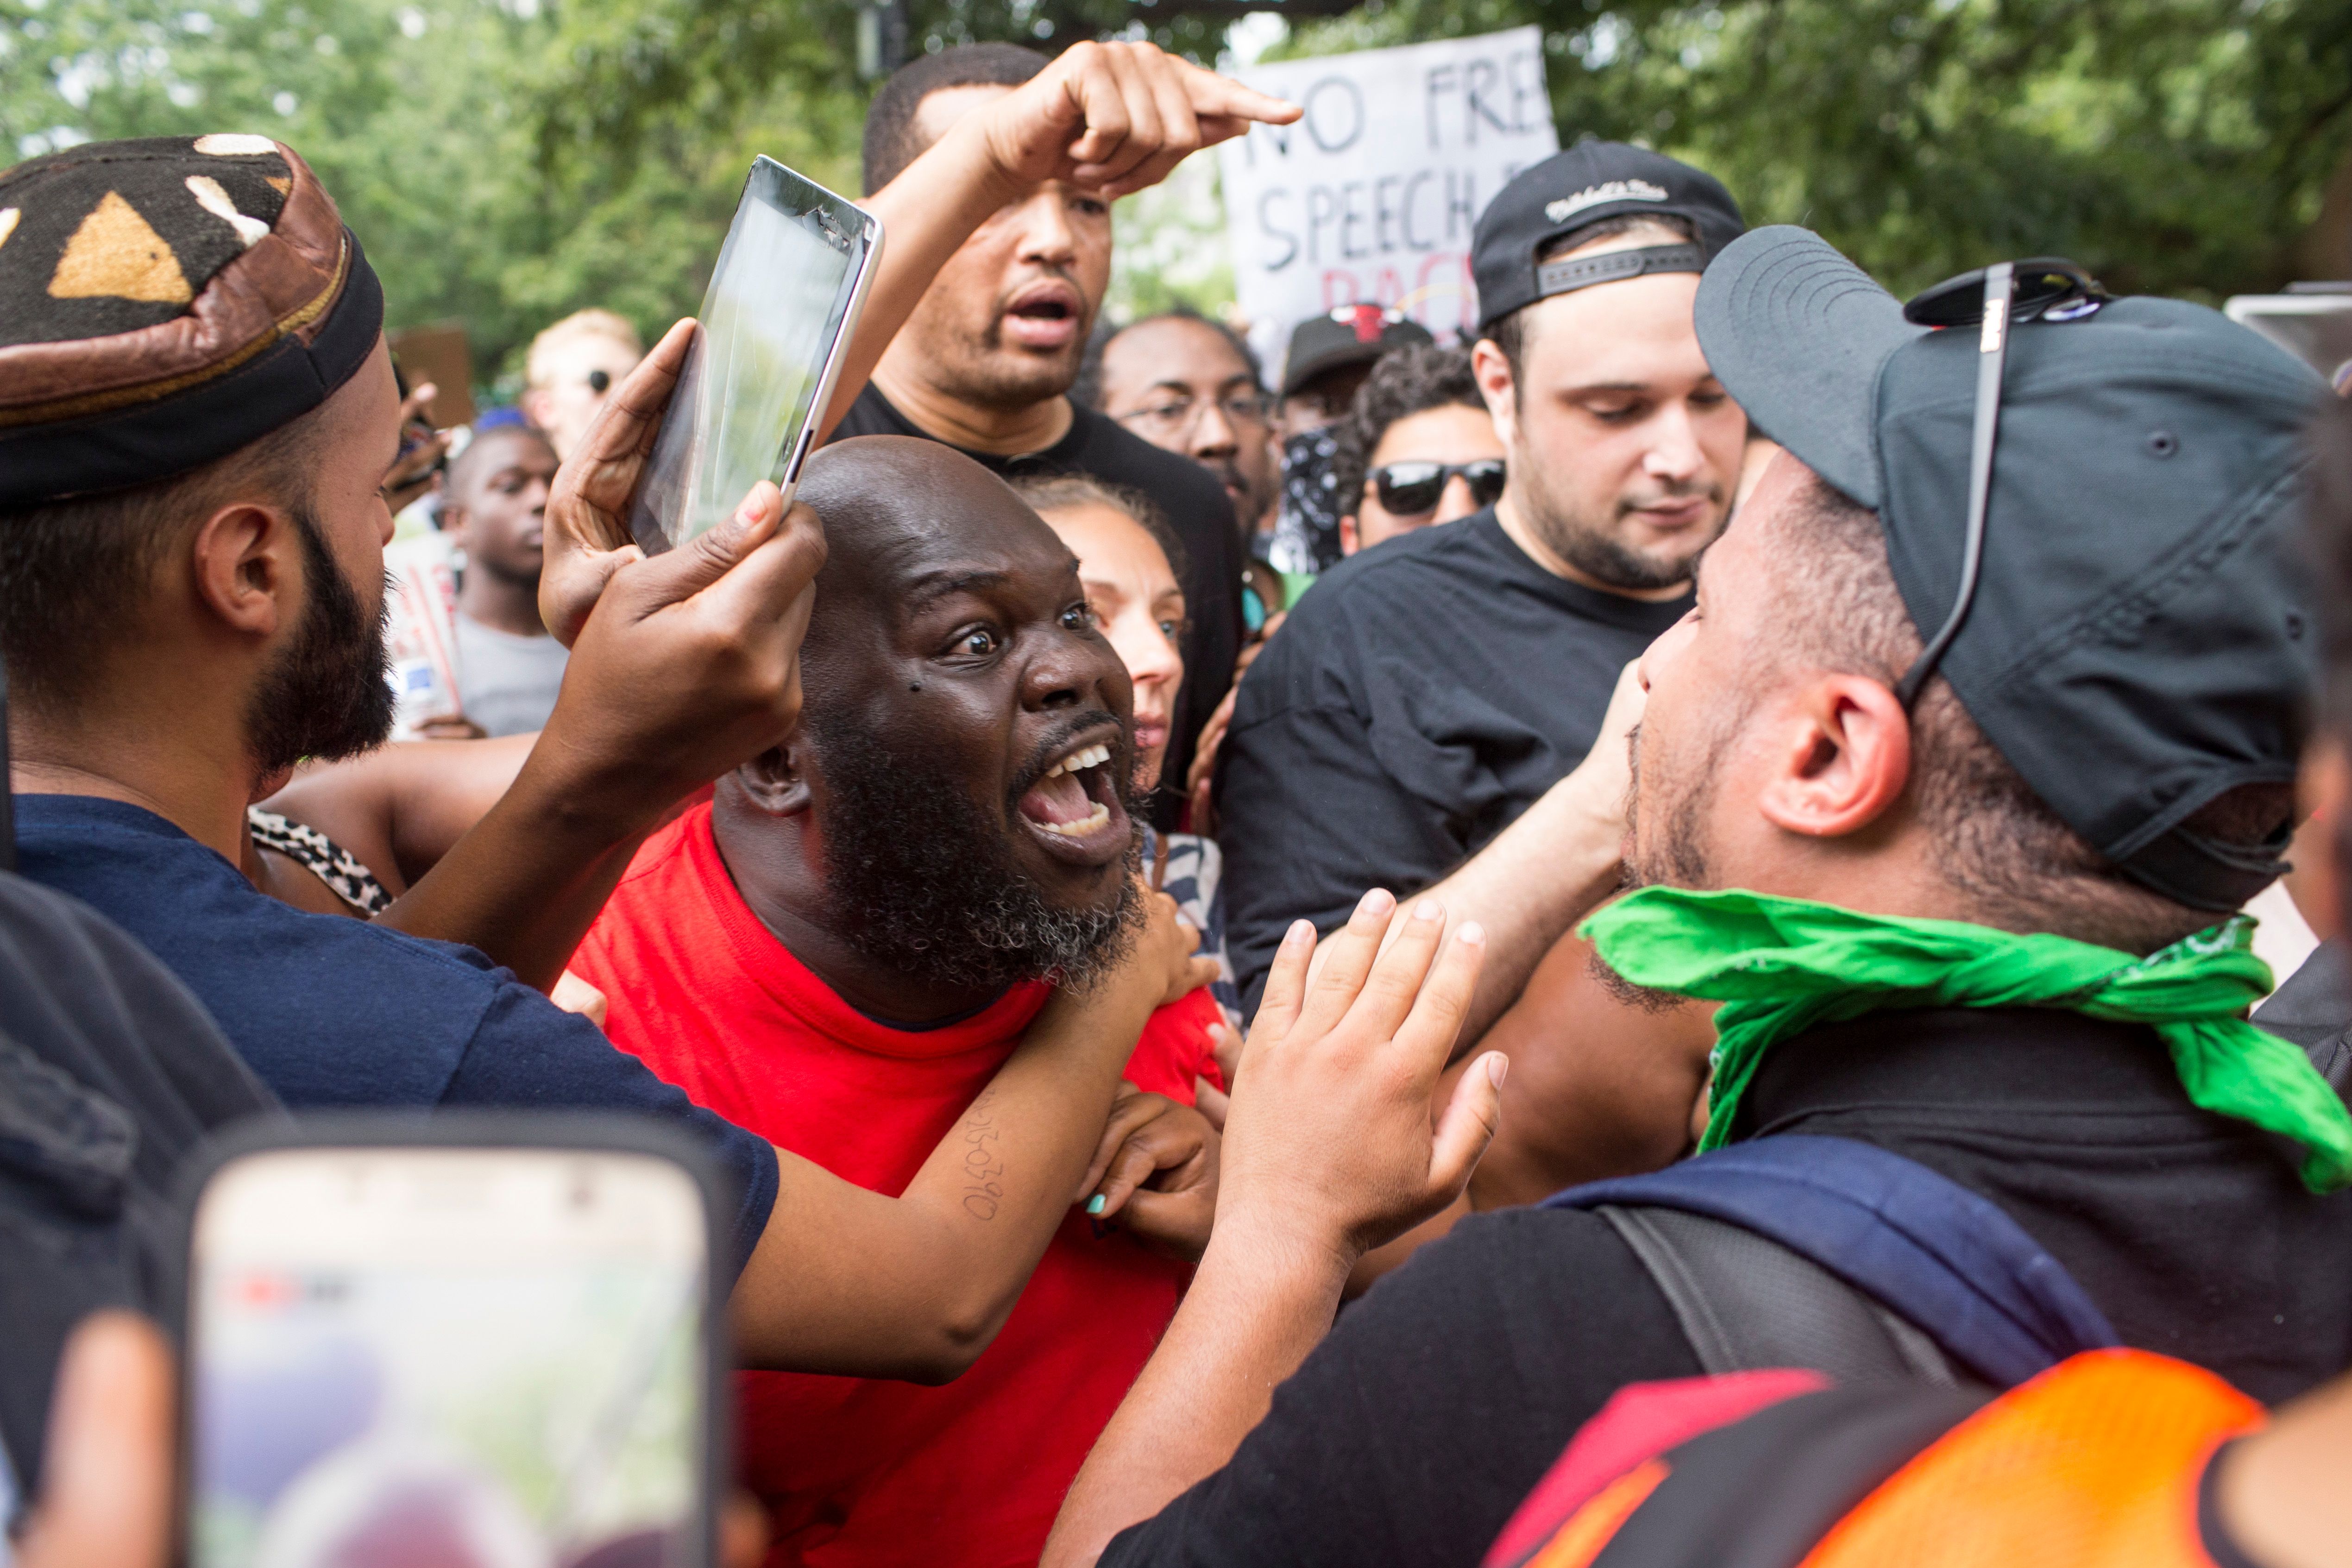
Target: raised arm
column 1108, row 118
column 855, row 1282
column 1329, row 1150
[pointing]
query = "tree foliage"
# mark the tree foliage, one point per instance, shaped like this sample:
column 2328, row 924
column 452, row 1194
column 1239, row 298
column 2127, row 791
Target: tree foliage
column 507, row 161
column 2171, row 146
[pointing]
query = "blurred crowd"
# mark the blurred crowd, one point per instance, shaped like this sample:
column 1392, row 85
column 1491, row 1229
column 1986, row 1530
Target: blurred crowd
column 1271, row 972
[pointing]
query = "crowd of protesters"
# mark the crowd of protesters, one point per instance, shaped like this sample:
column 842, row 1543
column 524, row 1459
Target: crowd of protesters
column 1616, row 942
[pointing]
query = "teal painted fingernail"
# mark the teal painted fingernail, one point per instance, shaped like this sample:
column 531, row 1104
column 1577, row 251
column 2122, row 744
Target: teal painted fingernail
column 1097, row 1203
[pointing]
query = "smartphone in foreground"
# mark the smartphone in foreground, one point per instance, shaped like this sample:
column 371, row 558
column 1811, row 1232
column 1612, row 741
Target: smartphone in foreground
column 409, row 1345
column 782, row 304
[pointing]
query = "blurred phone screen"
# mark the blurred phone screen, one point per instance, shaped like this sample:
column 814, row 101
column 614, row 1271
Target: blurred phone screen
column 447, row 1357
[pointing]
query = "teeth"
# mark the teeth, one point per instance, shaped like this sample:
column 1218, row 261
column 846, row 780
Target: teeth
column 1078, row 762
column 1088, row 824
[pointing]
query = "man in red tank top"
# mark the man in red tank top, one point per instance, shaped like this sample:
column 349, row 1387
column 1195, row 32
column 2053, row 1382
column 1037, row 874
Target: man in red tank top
column 843, row 946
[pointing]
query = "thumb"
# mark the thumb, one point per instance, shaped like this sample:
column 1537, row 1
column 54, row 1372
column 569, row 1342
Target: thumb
column 681, row 573
column 1468, row 1125
column 107, row 1490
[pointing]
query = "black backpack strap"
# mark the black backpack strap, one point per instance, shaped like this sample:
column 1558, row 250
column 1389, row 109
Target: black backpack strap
column 1829, row 1253
column 1745, row 1301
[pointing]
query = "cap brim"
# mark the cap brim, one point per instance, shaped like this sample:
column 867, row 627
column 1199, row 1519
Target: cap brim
column 1798, row 335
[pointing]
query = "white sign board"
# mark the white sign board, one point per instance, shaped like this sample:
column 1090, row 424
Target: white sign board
column 1372, row 196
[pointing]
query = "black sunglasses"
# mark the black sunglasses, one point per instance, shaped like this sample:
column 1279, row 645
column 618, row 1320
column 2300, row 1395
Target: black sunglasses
column 2044, row 289
column 1413, row 489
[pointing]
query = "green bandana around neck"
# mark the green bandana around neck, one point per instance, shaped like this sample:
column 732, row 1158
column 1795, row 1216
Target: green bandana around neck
column 1780, row 967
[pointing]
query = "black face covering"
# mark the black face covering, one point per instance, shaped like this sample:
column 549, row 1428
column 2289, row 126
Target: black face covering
column 327, row 697
column 918, row 878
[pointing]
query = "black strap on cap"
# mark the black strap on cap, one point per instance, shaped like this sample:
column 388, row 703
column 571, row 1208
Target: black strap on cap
column 1610, row 265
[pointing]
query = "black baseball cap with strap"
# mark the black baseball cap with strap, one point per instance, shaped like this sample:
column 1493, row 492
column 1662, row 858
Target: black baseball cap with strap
column 2139, row 634
column 1590, row 182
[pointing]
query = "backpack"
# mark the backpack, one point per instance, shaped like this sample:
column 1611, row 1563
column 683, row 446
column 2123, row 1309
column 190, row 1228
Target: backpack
column 1849, row 1260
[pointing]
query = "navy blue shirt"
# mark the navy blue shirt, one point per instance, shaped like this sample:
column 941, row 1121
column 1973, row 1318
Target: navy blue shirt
column 332, row 1011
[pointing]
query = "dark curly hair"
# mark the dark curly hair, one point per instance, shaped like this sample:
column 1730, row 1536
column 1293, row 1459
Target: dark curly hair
column 1403, row 383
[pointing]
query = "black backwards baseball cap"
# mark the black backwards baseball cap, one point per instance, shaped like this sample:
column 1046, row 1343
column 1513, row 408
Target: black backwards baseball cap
column 163, row 303
column 2143, row 636
column 1569, row 190
column 1349, row 336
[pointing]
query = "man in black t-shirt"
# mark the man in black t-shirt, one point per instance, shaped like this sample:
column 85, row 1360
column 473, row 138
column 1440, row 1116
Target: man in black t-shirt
column 1423, row 697
column 986, row 360
column 1958, row 836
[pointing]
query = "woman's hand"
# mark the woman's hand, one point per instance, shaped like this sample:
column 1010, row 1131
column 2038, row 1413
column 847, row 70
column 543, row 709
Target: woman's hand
column 1156, row 1169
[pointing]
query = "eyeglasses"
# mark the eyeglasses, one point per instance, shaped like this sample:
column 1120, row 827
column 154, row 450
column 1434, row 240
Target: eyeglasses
column 1177, row 417
column 1413, row 489
column 2044, row 289
column 600, row 381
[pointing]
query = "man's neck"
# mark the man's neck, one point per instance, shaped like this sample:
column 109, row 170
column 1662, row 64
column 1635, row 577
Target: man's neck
column 502, row 603
column 1509, row 512
column 771, row 869
column 999, row 429
column 198, row 778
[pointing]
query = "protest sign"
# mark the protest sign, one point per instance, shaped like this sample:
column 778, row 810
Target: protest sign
column 1372, row 196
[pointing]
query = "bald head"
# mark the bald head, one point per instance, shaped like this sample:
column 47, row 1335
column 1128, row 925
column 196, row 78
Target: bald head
column 904, row 517
column 959, row 771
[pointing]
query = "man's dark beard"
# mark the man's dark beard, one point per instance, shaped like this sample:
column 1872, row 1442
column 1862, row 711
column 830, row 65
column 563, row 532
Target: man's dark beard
column 918, row 877
column 328, row 695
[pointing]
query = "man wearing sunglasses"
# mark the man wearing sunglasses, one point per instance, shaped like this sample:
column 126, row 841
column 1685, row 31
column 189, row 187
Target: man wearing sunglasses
column 1428, row 692
column 1416, row 448
column 1984, row 724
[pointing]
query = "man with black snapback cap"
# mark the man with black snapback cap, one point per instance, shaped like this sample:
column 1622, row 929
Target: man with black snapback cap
column 196, row 413
column 1993, row 695
column 1421, row 699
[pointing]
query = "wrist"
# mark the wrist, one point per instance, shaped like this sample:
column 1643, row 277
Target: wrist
column 977, row 167
column 566, row 794
column 1279, row 1248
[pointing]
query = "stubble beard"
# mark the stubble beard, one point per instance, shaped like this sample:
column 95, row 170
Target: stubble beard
column 1677, row 859
column 1594, row 549
column 987, row 373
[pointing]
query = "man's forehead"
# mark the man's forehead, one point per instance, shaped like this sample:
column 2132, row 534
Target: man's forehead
column 944, row 106
column 1635, row 332
column 928, row 559
column 1175, row 350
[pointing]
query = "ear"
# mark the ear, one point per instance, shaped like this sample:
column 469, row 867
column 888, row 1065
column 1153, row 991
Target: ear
column 1350, row 541
column 776, row 780
column 1493, row 373
column 247, row 564
column 1844, row 756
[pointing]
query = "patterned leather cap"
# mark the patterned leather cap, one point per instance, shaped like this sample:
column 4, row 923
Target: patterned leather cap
column 163, row 303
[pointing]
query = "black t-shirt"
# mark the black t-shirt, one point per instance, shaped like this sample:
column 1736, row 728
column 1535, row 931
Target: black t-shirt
column 1417, row 699
column 1409, row 1436
column 1196, row 507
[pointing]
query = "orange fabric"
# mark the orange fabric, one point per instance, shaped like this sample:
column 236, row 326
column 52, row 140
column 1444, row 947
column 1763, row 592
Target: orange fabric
column 2095, row 1463
column 1595, row 1524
